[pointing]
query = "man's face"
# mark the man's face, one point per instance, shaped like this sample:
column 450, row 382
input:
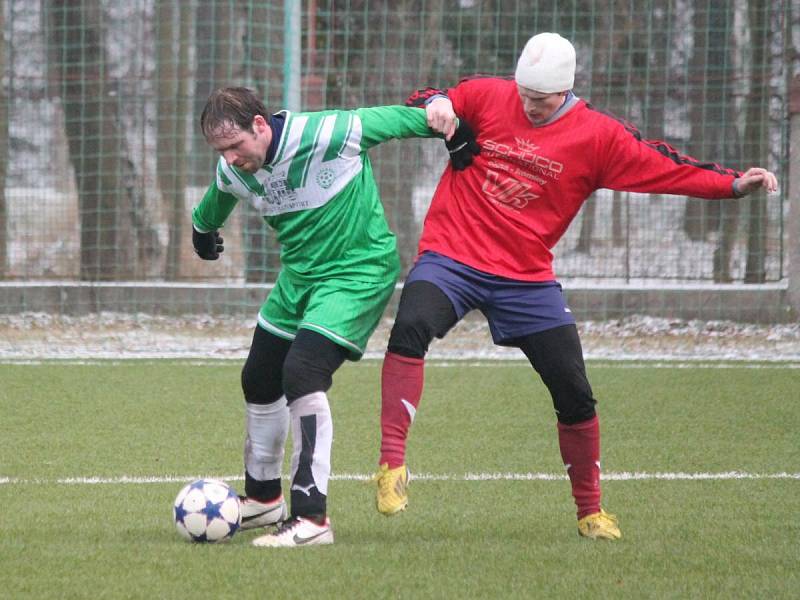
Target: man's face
column 243, row 149
column 539, row 106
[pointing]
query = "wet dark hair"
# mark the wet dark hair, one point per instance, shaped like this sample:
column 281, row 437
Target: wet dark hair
column 230, row 107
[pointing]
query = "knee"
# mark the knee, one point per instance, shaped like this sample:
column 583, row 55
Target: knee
column 303, row 375
column 411, row 335
column 557, row 356
column 425, row 312
column 572, row 396
column 260, row 387
column 569, row 388
column 569, row 412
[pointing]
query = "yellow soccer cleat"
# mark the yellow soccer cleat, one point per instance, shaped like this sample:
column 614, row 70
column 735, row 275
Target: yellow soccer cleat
column 599, row 526
column 392, row 495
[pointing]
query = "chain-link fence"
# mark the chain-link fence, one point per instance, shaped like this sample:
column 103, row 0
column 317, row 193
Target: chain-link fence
column 102, row 157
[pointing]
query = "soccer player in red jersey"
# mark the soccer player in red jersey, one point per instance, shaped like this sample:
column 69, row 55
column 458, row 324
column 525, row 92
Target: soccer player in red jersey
column 487, row 238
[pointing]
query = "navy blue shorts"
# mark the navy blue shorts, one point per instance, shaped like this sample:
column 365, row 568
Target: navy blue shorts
column 513, row 308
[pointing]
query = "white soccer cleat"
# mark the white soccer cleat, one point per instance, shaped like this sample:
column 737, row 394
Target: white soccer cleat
column 295, row 532
column 262, row 514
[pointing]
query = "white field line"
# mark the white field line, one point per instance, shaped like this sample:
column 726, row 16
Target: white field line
column 611, row 476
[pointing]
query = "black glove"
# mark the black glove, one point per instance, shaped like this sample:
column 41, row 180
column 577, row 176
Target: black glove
column 462, row 146
column 207, row 245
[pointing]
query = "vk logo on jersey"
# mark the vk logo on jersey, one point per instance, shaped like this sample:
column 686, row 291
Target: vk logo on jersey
column 508, row 190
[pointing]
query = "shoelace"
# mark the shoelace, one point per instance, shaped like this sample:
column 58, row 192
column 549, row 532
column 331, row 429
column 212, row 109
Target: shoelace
column 378, row 477
column 386, row 484
column 604, row 518
column 608, row 516
column 287, row 525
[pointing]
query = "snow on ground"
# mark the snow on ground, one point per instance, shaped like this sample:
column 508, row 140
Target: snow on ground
column 36, row 336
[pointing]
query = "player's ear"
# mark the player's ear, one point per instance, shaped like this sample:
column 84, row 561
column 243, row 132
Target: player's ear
column 259, row 124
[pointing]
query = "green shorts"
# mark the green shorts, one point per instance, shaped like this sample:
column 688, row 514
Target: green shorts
column 344, row 311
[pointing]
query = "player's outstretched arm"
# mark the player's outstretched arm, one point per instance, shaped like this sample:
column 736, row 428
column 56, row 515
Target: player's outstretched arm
column 756, row 178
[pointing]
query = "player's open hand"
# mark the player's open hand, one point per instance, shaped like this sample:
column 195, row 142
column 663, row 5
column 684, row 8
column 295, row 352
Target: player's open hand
column 207, row 245
column 441, row 117
column 756, row 178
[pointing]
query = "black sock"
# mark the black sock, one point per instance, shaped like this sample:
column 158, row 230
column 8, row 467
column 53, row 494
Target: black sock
column 263, row 491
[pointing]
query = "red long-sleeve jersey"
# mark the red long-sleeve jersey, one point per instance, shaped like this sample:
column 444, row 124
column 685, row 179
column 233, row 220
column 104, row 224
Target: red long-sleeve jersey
column 503, row 214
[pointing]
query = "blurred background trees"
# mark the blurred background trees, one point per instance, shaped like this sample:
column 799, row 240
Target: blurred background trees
column 121, row 85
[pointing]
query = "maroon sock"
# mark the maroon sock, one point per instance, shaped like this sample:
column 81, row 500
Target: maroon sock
column 401, row 389
column 580, row 451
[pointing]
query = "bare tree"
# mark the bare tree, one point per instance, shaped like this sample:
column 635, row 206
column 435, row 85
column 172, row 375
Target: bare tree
column 757, row 116
column 3, row 149
column 712, row 104
column 262, row 71
column 611, row 66
column 95, row 138
column 172, row 23
column 215, row 68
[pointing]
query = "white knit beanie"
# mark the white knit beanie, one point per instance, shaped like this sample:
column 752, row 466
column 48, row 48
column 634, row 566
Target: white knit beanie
column 547, row 64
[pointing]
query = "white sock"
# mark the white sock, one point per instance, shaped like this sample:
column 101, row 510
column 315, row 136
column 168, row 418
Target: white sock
column 267, row 429
column 312, row 437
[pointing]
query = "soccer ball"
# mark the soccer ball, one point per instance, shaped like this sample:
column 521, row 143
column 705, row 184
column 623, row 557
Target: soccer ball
column 207, row 510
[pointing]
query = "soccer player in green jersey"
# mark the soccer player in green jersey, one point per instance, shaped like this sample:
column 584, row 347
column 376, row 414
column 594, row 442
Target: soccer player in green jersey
column 309, row 175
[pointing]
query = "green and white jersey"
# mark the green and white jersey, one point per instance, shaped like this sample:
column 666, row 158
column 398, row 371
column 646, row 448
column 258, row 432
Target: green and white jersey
column 319, row 192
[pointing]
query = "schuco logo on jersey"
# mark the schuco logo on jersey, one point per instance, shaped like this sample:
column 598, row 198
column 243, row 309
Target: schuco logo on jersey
column 525, row 155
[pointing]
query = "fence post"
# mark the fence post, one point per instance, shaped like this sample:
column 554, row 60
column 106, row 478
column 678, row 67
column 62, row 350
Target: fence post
column 793, row 248
column 292, row 18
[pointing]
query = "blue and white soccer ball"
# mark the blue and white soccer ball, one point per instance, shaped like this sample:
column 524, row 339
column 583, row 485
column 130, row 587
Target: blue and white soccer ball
column 207, row 510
